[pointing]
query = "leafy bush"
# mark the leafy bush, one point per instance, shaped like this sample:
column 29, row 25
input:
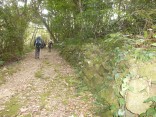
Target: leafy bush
column 151, row 112
column 1, row 63
column 13, row 26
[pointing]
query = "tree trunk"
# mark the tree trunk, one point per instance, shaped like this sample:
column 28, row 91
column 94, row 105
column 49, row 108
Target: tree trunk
column 34, row 34
column 48, row 29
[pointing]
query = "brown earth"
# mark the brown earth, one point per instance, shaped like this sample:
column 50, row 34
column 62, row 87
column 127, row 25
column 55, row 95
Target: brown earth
column 44, row 87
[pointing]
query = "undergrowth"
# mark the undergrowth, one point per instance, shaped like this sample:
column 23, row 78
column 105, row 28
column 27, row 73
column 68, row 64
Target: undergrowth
column 7, row 71
column 102, row 66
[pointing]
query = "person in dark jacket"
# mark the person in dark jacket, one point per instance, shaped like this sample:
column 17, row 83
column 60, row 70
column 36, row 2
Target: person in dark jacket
column 50, row 44
column 37, row 44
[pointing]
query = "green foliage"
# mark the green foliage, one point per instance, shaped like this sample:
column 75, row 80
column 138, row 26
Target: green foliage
column 27, row 49
column 114, row 40
column 94, row 19
column 143, row 55
column 103, row 67
column 100, row 64
column 13, row 25
column 151, row 112
column 1, row 63
column 151, row 99
column 122, row 102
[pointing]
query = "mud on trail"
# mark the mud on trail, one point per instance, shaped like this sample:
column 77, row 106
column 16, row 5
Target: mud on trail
column 43, row 87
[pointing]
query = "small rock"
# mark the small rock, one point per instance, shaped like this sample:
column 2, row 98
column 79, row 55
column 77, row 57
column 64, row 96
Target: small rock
column 2, row 108
column 81, row 115
column 23, row 110
column 135, row 99
column 4, row 69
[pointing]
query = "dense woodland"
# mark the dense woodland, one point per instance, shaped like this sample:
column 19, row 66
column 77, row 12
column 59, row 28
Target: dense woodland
column 77, row 21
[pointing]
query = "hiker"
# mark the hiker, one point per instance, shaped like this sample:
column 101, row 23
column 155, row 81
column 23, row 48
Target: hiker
column 37, row 44
column 50, row 44
column 43, row 44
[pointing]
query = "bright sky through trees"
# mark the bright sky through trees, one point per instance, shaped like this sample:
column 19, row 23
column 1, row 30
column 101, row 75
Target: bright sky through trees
column 45, row 11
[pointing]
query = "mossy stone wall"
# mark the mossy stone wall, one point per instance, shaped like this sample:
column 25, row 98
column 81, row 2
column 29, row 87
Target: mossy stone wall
column 95, row 66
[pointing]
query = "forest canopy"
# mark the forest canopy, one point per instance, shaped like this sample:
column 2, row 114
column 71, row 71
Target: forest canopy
column 76, row 19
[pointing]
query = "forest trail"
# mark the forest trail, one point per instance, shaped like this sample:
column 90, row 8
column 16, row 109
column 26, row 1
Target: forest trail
column 43, row 87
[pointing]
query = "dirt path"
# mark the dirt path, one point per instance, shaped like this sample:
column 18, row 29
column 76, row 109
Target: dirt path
column 43, row 88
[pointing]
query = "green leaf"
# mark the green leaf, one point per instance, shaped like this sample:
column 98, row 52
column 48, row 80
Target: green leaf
column 142, row 115
column 151, row 112
column 1, row 63
column 153, row 99
column 113, row 107
column 122, row 101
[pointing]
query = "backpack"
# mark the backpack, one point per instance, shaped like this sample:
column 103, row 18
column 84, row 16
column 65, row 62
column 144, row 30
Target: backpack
column 38, row 42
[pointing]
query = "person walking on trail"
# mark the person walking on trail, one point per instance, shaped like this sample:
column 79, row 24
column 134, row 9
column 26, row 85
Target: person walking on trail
column 37, row 44
column 50, row 44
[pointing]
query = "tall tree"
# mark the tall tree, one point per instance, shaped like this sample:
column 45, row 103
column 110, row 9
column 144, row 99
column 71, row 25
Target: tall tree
column 14, row 21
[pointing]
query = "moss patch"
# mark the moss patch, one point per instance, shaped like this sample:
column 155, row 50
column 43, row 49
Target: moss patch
column 43, row 98
column 11, row 108
column 2, row 79
column 148, row 71
column 39, row 74
column 46, row 62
